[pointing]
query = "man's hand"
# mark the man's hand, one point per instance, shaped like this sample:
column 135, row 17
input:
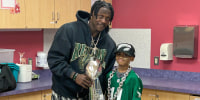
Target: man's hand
column 83, row 80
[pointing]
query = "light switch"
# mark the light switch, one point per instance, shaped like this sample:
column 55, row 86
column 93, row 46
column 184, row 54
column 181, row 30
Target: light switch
column 156, row 60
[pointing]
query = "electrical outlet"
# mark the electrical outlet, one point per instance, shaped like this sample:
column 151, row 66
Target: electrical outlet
column 156, row 60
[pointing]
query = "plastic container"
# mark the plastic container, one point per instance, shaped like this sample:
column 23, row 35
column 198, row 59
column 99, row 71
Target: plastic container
column 25, row 73
column 6, row 55
column 14, row 69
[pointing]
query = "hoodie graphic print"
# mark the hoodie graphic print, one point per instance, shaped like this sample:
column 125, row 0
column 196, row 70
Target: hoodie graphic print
column 82, row 52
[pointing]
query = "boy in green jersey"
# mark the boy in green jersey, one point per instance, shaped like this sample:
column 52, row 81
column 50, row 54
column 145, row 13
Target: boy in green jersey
column 124, row 83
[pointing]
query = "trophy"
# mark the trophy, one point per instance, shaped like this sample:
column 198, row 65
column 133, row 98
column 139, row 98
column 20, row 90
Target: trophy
column 93, row 70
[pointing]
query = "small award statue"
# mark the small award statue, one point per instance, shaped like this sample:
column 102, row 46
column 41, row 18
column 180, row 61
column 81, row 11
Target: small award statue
column 93, row 70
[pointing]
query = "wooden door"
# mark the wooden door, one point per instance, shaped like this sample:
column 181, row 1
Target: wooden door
column 27, row 96
column 4, row 98
column 46, row 94
column 15, row 20
column 65, row 11
column 164, row 95
column 194, row 97
column 40, row 13
column 109, row 1
column 148, row 94
column 85, row 5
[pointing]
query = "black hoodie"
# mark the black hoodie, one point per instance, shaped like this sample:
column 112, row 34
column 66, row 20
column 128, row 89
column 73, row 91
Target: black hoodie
column 69, row 53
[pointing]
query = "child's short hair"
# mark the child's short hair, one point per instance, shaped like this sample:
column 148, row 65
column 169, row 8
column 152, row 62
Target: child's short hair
column 126, row 48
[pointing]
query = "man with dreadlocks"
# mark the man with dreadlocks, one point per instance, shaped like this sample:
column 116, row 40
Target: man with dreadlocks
column 73, row 45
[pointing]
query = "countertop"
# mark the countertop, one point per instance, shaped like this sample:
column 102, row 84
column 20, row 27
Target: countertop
column 175, row 81
column 171, row 85
column 43, row 83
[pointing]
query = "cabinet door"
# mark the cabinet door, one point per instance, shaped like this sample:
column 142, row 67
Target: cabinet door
column 194, row 97
column 85, row 5
column 65, row 11
column 46, row 94
column 163, row 95
column 16, row 20
column 4, row 98
column 109, row 1
column 27, row 96
column 40, row 13
column 148, row 94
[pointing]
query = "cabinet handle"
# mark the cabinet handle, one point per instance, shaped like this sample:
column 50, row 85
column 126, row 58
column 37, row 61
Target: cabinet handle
column 53, row 16
column 157, row 96
column 152, row 95
column 45, row 95
column 53, row 22
column 58, row 16
column 48, row 94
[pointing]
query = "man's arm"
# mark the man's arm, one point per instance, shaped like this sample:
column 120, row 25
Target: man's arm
column 60, row 53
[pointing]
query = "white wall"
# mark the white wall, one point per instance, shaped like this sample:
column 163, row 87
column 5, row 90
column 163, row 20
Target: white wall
column 48, row 38
column 139, row 38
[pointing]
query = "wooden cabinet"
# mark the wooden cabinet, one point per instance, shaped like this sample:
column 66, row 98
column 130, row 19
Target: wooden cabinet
column 40, row 13
column 38, row 95
column 164, row 95
column 16, row 20
column 4, row 98
column 109, row 1
column 149, row 94
column 65, row 11
column 194, row 97
column 43, row 13
column 85, row 5
column 53, row 13
column 27, row 96
column 46, row 94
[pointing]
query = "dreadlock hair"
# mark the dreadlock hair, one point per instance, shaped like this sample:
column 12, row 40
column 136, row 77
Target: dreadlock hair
column 99, row 4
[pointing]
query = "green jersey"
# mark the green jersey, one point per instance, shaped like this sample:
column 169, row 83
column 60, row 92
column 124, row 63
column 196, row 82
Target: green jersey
column 131, row 89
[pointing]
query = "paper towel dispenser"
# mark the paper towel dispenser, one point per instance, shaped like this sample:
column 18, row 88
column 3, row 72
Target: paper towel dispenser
column 166, row 51
column 185, row 41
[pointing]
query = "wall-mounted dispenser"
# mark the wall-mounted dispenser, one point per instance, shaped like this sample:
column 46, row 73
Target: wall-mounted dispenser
column 41, row 60
column 166, row 51
column 185, row 41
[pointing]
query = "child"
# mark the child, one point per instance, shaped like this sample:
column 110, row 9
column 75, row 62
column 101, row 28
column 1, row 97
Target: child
column 124, row 83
